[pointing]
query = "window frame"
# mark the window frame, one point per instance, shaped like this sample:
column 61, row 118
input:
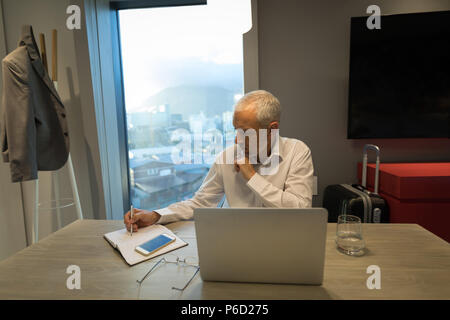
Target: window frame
column 115, row 7
column 141, row 4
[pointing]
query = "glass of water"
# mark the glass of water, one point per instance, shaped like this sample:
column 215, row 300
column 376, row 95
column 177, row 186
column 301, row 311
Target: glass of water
column 349, row 239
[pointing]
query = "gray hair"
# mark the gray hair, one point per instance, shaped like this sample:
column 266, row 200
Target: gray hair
column 267, row 106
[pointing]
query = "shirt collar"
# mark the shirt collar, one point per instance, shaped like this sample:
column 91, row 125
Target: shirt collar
column 276, row 152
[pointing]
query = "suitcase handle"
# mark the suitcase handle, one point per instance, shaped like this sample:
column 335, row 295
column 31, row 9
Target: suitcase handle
column 377, row 169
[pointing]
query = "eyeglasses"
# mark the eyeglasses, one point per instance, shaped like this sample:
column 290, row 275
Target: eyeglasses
column 185, row 262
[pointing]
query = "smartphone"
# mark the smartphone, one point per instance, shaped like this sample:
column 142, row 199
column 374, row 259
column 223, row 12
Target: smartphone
column 155, row 244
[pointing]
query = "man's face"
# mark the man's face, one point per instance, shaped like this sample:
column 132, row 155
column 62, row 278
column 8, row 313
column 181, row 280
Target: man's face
column 246, row 119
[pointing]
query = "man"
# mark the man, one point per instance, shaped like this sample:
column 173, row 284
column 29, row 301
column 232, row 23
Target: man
column 252, row 180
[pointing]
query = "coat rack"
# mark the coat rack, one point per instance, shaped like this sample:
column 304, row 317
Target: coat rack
column 73, row 183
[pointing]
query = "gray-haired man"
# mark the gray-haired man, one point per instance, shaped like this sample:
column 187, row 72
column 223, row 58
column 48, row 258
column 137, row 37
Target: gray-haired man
column 251, row 180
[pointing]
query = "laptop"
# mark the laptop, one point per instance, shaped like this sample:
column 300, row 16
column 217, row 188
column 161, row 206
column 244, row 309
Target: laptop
column 264, row 245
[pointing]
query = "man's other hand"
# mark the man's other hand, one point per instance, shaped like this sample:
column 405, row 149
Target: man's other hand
column 246, row 169
column 141, row 219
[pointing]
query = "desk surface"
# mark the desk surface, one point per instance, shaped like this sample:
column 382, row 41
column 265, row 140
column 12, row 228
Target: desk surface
column 414, row 263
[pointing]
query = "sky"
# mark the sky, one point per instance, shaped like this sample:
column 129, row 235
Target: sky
column 163, row 47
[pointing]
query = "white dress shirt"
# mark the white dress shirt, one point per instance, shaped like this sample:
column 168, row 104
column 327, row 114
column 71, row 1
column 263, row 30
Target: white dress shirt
column 290, row 187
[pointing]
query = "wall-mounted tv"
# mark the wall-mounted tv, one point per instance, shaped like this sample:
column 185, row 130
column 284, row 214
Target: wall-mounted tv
column 399, row 83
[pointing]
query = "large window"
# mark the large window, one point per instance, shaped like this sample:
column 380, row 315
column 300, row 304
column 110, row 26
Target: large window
column 182, row 74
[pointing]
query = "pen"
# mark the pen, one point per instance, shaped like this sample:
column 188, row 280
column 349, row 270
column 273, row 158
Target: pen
column 131, row 217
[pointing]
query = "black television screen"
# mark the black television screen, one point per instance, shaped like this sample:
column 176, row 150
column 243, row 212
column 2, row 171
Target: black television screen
column 399, row 85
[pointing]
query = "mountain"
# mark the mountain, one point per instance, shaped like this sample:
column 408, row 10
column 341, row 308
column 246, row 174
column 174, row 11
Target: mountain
column 187, row 100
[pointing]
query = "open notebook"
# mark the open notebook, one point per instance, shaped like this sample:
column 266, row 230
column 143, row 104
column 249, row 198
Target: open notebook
column 122, row 241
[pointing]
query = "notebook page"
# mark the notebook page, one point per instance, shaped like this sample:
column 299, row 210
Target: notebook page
column 126, row 243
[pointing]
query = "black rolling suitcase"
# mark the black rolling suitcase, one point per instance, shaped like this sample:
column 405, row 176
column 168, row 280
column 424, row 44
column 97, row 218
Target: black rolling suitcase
column 356, row 199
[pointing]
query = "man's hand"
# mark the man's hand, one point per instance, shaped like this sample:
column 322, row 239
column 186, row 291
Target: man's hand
column 246, row 169
column 141, row 218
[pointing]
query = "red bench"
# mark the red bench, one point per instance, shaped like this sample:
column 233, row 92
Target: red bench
column 415, row 193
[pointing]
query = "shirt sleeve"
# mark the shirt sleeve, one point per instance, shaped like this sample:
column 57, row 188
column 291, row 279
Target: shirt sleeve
column 209, row 195
column 298, row 187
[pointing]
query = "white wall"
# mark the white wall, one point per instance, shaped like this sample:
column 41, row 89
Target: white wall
column 75, row 89
column 304, row 48
column 12, row 227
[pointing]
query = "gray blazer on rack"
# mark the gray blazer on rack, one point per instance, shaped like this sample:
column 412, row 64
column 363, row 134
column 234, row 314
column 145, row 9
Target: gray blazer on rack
column 34, row 134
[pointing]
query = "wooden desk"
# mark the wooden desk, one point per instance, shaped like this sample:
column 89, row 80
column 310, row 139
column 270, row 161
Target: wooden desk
column 415, row 264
